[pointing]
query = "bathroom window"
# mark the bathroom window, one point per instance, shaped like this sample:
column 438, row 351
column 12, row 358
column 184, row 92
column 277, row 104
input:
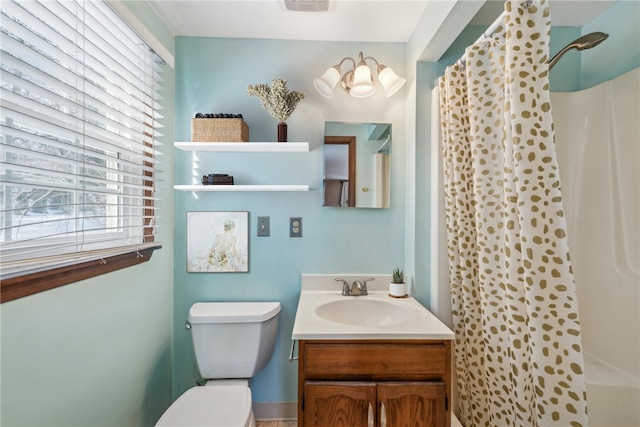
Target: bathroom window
column 79, row 123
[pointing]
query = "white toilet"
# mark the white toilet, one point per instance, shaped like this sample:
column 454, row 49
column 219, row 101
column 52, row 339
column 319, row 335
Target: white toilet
column 232, row 342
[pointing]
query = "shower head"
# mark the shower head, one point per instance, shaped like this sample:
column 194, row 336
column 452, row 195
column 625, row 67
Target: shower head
column 585, row 42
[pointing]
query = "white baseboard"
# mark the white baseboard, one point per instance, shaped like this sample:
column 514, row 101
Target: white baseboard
column 266, row 411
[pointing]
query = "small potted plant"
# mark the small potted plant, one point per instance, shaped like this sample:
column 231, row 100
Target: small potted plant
column 398, row 286
column 278, row 101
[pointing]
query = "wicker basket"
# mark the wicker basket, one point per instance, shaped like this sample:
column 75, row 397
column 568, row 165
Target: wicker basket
column 219, row 130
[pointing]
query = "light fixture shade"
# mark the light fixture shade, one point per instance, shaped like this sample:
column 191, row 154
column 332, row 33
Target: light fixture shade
column 362, row 82
column 389, row 80
column 327, row 82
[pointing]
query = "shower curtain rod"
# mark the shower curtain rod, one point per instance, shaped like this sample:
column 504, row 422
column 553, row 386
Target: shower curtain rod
column 526, row 4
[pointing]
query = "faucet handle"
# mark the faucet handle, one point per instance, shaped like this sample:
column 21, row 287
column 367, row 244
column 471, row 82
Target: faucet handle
column 363, row 285
column 345, row 286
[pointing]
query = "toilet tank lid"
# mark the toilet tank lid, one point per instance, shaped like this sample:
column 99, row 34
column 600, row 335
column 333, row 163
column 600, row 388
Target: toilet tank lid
column 232, row 312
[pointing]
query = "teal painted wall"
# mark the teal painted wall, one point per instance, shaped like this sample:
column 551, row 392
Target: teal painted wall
column 620, row 52
column 97, row 352
column 212, row 76
column 565, row 75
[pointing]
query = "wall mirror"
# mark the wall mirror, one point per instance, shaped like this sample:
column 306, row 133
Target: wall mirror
column 357, row 166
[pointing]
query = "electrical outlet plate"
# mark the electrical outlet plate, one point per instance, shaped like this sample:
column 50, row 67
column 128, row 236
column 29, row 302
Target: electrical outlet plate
column 264, row 229
column 295, row 226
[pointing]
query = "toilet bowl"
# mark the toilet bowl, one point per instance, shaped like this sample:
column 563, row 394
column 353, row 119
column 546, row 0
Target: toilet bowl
column 212, row 405
column 232, row 342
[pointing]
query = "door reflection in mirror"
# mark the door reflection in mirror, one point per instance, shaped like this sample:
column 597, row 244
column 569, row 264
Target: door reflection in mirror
column 357, row 166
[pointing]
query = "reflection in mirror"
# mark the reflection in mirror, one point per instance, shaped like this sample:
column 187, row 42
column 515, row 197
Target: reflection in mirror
column 357, row 166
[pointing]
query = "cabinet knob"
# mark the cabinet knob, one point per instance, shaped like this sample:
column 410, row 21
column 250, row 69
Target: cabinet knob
column 383, row 415
column 370, row 419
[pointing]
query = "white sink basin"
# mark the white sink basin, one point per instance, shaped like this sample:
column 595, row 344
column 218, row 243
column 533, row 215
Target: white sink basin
column 324, row 314
column 359, row 311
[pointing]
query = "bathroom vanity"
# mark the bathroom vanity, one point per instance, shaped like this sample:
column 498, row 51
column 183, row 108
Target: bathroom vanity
column 369, row 360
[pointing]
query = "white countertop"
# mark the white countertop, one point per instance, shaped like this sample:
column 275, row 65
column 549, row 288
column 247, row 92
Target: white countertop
column 317, row 290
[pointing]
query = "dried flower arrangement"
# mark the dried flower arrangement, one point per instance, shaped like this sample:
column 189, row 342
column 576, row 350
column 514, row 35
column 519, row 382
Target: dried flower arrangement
column 276, row 100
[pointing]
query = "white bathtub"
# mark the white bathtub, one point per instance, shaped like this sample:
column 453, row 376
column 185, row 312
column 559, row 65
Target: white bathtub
column 613, row 396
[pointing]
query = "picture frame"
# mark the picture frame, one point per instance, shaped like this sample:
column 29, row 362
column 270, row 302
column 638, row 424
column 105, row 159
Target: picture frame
column 218, row 242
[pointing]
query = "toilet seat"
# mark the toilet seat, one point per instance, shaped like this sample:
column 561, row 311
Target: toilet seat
column 211, row 406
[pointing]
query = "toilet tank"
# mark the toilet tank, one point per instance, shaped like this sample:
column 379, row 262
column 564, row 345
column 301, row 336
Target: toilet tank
column 233, row 339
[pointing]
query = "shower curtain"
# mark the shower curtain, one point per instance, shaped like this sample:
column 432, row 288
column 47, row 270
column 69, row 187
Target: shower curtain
column 518, row 348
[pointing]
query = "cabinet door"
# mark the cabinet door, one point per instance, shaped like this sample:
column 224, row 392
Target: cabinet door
column 411, row 404
column 339, row 404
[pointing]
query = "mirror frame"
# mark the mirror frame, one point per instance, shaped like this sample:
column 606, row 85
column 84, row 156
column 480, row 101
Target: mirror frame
column 350, row 141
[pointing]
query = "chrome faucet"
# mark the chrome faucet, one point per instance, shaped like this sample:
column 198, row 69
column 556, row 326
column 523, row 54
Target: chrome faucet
column 357, row 287
column 360, row 288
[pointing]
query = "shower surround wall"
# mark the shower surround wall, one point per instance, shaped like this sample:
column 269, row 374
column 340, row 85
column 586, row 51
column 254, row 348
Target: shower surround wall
column 598, row 147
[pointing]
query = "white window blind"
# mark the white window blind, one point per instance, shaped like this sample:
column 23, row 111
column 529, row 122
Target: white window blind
column 79, row 121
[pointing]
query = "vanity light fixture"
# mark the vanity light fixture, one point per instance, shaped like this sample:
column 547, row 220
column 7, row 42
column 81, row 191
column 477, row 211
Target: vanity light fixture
column 358, row 82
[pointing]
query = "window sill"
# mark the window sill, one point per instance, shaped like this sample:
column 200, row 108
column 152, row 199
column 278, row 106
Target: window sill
column 30, row 284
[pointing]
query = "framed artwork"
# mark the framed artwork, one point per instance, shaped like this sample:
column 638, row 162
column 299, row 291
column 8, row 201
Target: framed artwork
column 217, row 242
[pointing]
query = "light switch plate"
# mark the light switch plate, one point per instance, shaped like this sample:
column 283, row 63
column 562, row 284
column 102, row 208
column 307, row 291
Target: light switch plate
column 264, row 229
column 295, row 226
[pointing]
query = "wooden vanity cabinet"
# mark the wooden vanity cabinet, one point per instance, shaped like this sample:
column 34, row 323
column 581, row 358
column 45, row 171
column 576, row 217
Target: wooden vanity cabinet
column 374, row 383
column 338, row 404
column 355, row 404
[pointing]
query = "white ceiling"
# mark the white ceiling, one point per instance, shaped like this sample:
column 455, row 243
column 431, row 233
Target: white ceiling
column 348, row 20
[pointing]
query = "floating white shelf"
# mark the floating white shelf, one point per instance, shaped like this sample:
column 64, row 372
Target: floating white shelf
column 244, row 147
column 229, row 188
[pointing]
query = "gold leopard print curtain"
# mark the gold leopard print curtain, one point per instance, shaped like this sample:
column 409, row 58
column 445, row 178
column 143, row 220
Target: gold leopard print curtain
column 518, row 349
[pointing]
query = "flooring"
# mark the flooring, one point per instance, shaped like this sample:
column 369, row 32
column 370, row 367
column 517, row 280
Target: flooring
column 278, row 423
